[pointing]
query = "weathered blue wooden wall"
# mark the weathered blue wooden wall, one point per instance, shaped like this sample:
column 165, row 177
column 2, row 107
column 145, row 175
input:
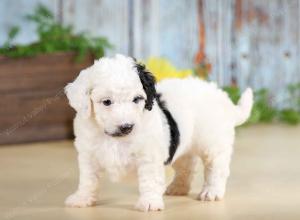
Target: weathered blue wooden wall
column 256, row 43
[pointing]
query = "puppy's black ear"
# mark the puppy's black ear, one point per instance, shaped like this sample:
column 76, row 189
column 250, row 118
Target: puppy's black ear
column 148, row 82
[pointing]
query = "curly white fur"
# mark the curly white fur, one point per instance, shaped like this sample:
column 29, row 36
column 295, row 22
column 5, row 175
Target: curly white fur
column 206, row 120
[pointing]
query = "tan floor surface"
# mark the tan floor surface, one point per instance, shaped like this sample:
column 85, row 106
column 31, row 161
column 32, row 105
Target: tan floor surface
column 264, row 184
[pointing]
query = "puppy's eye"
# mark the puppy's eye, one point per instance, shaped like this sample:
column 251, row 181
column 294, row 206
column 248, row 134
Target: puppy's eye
column 107, row 102
column 137, row 99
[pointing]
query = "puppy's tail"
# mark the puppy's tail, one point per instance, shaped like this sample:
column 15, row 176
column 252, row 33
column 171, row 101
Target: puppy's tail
column 244, row 107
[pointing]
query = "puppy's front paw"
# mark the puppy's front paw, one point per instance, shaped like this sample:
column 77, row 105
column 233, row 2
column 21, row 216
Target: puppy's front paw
column 145, row 204
column 212, row 193
column 80, row 200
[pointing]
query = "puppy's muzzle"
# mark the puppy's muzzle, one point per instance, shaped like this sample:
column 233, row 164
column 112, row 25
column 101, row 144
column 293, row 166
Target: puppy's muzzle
column 126, row 128
column 123, row 130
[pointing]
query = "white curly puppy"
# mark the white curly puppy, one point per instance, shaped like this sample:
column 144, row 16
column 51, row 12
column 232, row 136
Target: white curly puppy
column 125, row 122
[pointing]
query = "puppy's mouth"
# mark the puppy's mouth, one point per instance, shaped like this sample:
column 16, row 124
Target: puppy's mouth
column 123, row 130
column 116, row 134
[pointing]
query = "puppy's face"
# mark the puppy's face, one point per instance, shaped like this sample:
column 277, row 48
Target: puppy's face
column 118, row 108
column 116, row 92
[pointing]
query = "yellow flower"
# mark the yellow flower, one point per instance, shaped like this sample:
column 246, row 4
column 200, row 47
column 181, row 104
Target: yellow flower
column 162, row 68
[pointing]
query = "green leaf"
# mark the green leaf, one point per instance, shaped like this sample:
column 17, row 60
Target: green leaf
column 13, row 32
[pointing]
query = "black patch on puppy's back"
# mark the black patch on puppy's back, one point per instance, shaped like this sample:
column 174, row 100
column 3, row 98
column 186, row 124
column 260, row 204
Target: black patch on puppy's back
column 174, row 131
column 148, row 81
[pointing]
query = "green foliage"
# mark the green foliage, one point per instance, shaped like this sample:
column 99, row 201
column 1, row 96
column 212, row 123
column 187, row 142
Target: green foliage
column 290, row 116
column 233, row 92
column 13, row 32
column 54, row 37
column 263, row 111
column 294, row 96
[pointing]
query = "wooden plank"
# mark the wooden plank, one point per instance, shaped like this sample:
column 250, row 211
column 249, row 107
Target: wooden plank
column 42, row 132
column 32, row 100
column 267, row 46
column 107, row 18
column 289, row 51
column 35, row 117
column 30, row 104
column 166, row 33
column 179, row 31
column 218, row 17
column 48, row 71
column 146, row 28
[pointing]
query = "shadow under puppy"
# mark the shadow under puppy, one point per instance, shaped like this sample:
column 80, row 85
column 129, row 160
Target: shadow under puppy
column 125, row 122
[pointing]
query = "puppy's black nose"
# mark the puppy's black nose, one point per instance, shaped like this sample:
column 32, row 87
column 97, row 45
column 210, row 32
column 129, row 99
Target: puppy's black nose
column 126, row 128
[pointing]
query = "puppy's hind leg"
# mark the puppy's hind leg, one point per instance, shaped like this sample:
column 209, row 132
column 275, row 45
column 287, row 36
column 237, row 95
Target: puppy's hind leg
column 216, row 172
column 184, row 171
